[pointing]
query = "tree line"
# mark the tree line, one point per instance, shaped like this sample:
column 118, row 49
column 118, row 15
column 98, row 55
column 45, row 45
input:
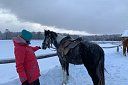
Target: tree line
column 112, row 37
column 7, row 35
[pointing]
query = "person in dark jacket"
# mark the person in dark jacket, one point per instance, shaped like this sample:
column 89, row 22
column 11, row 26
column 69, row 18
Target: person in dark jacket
column 26, row 62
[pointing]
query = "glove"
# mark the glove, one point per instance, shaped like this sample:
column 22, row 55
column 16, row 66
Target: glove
column 39, row 47
column 25, row 83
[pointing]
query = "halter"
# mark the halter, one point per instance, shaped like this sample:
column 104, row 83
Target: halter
column 49, row 39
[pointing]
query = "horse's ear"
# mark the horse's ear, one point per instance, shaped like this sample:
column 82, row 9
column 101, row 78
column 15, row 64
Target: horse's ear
column 46, row 32
column 54, row 34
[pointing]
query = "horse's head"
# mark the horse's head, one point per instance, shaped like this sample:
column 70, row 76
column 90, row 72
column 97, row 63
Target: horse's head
column 50, row 36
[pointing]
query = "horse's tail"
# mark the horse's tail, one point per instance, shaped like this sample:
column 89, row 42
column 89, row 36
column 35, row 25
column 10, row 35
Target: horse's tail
column 100, row 70
column 101, row 67
column 106, row 70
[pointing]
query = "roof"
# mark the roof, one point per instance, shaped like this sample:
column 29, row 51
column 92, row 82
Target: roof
column 125, row 33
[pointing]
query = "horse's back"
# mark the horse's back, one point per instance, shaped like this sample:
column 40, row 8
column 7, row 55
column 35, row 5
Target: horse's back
column 125, row 42
column 87, row 50
column 93, row 48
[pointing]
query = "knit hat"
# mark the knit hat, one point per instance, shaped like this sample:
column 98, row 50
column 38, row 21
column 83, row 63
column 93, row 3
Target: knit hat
column 26, row 35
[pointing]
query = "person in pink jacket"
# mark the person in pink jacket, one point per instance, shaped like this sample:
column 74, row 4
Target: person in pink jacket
column 26, row 62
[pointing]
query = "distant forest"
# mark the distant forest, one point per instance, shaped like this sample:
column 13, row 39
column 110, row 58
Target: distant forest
column 7, row 35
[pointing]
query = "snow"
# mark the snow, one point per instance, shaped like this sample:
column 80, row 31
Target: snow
column 125, row 33
column 51, row 73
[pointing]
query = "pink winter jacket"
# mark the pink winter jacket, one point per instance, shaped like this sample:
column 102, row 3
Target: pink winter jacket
column 26, row 62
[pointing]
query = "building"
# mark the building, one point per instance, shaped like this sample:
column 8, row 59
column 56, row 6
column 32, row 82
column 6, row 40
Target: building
column 125, row 34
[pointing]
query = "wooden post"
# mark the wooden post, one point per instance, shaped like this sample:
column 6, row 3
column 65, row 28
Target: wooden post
column 117, row 48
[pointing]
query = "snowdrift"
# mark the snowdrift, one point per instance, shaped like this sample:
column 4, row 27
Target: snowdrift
column 78, row 76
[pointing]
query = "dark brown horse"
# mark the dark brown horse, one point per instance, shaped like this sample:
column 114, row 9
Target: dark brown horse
column 125, row 46
column 77, row 52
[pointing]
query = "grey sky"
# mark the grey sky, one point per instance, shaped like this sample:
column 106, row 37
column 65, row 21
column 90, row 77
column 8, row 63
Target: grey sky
column 93, row 16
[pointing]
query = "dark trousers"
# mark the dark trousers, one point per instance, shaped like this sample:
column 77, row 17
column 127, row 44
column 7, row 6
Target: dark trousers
column 36, row 82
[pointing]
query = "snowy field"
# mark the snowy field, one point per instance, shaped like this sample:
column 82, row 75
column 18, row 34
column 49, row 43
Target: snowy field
column 51, row 73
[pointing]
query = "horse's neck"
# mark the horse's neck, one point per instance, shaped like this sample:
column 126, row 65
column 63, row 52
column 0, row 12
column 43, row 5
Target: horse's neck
column 59, row 38
column 57, row 41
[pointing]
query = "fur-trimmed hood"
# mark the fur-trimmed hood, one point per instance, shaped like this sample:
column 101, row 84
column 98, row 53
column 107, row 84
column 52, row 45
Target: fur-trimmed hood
column 19, row 40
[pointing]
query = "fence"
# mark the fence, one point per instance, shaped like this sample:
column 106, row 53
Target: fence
column 114, row 47
column 5, row 61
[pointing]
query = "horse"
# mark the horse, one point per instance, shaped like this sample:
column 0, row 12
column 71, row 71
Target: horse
column 77, row 52
column 125, row 46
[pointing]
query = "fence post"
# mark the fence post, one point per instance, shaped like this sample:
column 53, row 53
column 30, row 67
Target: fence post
column 117, row 48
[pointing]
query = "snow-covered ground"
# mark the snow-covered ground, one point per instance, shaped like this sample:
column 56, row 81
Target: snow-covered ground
column 115, row 63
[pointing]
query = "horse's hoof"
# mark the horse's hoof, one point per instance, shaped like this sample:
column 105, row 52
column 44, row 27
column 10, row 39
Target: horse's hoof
column 64, row 84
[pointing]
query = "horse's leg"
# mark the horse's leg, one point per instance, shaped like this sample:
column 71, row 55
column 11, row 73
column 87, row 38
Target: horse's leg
column 127, row 48
column 65, row 68
column 124, row 50
column 64, row 77
column 65, row 73
column 96, row 73
column 91, row 68
column 94, row 64
column 65, row 65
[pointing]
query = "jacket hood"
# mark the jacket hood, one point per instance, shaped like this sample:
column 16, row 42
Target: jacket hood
column 19, row 40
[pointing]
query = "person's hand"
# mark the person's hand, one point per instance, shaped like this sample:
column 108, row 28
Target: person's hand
column 39, row 47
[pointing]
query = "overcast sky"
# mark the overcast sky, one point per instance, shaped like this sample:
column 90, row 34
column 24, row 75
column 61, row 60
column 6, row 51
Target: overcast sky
column 88, row 16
